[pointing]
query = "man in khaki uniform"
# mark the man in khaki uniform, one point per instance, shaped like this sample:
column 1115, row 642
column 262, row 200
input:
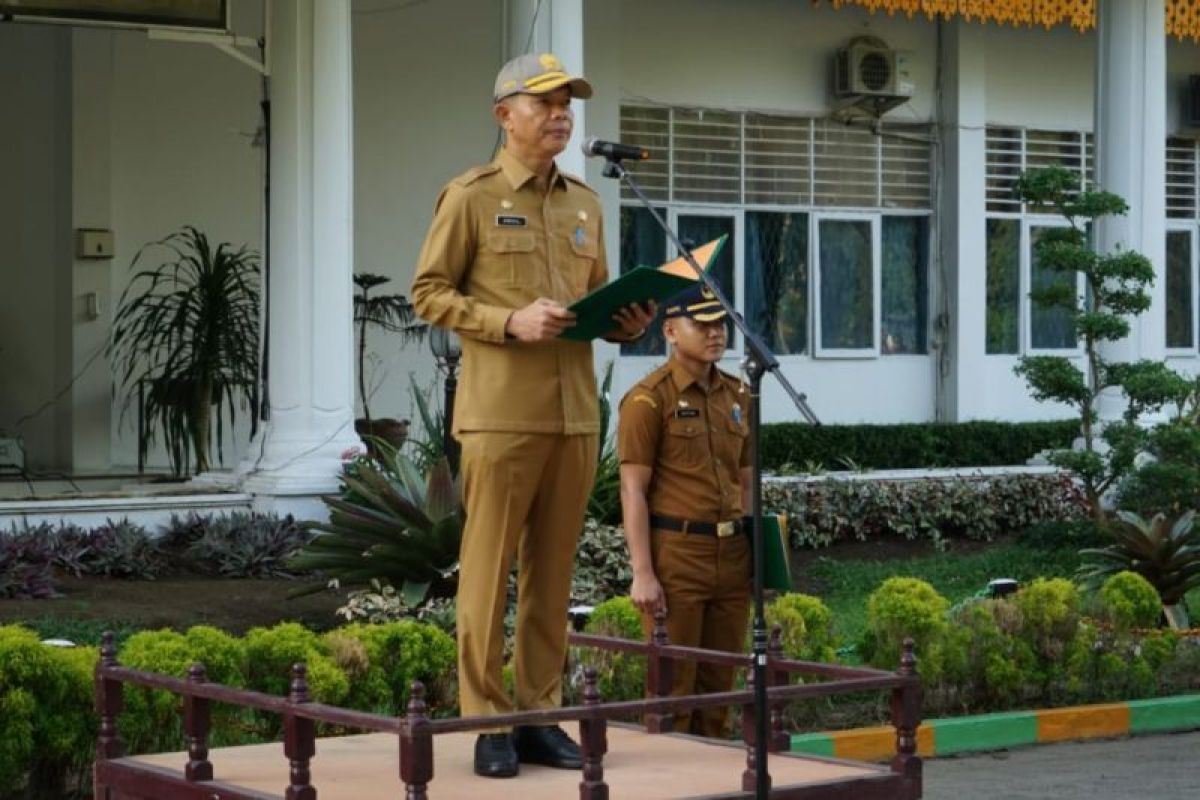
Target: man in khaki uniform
column 511, row 245
column 685, row 482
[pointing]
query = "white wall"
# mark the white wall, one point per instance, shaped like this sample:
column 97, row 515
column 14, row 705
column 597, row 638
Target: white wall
column 184, row 118
column 423, row 75
column 35, row 288
column 119, row 132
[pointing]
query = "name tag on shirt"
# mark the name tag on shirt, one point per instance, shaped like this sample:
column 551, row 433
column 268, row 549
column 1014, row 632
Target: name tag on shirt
column 510, row 220
column 685, row 413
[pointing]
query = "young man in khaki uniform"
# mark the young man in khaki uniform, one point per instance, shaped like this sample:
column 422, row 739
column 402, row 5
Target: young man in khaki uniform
column 511, row 245
column 685, row 482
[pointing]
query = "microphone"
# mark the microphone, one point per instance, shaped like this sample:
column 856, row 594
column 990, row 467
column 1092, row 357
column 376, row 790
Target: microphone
column 613, row 151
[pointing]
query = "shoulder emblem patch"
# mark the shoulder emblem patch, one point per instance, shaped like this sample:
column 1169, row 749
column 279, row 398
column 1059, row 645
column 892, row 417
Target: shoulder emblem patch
column 645, row 398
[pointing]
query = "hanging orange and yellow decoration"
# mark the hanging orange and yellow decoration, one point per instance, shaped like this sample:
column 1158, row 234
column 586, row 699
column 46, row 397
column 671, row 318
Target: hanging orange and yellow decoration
column 1183, row 16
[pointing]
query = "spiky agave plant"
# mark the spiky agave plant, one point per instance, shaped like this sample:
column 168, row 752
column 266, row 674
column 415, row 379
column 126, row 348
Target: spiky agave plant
column 390, row 524
column 1163, row 550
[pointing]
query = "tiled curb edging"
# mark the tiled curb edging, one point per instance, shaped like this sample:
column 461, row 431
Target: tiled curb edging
column 940, row 737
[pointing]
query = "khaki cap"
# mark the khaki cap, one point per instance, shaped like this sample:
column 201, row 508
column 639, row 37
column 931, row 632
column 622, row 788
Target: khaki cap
column 537, row 73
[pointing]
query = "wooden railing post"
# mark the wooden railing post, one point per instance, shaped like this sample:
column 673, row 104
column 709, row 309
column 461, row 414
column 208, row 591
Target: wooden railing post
column 593, row 741
column 299, row 740
column 906, row 718
column 660, row 675
column 109, row 702
column 416, row 747
column 197, row 723
column 779, row 741
column 749, row 775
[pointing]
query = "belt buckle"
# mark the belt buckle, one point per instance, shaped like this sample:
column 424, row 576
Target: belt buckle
column 726, row 529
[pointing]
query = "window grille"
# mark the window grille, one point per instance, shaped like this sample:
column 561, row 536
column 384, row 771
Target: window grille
column 1011, row 151
column 1181, row 178
column 734, row 158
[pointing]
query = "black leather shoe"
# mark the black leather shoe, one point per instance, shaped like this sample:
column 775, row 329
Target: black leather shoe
column 549, row 745
column 495, row 756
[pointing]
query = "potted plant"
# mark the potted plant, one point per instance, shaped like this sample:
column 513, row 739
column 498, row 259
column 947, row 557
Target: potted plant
column 185, row 342
column 390, row 312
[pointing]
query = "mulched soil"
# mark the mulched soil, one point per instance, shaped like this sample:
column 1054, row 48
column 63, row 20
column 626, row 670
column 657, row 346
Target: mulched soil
column 234, row 605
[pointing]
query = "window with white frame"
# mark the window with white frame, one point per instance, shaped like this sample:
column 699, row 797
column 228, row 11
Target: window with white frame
column 1013, row 323
column 791, row 192
column 1183, row 216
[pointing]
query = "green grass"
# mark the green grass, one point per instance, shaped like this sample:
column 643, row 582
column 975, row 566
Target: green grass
column 846, row 584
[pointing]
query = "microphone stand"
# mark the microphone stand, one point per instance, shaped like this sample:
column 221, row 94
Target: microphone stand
column 758, row 360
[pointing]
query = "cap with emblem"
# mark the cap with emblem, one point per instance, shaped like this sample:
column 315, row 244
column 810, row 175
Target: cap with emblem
column 697, row 302
column 537, row 73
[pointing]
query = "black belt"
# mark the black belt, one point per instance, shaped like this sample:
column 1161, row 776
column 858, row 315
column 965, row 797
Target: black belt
column 718, row 529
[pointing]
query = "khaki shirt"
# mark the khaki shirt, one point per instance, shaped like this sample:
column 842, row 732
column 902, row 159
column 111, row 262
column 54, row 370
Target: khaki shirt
column 694, row 441
column 497, row 243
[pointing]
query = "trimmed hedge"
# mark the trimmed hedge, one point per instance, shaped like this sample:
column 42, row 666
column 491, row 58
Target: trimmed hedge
column 793, row 447
column 825, row 510
column 48, row 722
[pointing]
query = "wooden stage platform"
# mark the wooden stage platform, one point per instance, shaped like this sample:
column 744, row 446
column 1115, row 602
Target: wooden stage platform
column 638, row 765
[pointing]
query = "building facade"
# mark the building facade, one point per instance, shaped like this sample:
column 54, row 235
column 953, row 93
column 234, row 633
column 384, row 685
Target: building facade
column 885, row 260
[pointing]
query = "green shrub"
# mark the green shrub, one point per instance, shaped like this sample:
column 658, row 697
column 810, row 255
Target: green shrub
column 151, row 722
column 45, row 704
column 1102, row 667
column 1130, row 601
column 271, row 653
column 806, row 624
column 902, row 608
column 978, row 664
column 1049, row 613
column 621, row 676
column 1170, row 483
column 789, row 446
column 821, row 512
column 392, row 656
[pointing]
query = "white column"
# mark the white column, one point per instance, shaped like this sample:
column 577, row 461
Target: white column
column 557, row 28
column 298, row 455
column 963, row 384
column 1131, row 125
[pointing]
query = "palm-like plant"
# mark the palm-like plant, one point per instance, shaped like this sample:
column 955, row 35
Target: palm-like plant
column 391, row 312
column 1163, row 550
column 392, row 525
column 188, row 329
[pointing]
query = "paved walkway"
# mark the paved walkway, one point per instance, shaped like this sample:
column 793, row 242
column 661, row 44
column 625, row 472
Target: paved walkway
column 1163, row 767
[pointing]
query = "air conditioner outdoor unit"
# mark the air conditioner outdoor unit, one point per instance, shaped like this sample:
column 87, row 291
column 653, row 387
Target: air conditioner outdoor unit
column 867, row 67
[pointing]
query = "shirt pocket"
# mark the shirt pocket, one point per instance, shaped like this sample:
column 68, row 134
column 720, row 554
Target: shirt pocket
column 733, row 434
column 585, row 250
column 510, row 259
column 686, row 442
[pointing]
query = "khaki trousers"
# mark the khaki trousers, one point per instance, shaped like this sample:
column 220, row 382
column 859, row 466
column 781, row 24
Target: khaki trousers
column 706, row 580
column 525, row 496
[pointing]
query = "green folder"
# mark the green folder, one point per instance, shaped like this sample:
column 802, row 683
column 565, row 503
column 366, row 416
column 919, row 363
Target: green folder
column 777, row 573
column 594, row 311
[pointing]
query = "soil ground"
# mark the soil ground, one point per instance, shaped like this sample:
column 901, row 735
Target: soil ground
column 234, row 605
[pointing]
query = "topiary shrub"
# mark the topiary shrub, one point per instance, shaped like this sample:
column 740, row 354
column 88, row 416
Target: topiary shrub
column 389, row 657
column 806, row 624
column 1130, row 601
column 1049, row 612
column 621, row 676
column 901, row 608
